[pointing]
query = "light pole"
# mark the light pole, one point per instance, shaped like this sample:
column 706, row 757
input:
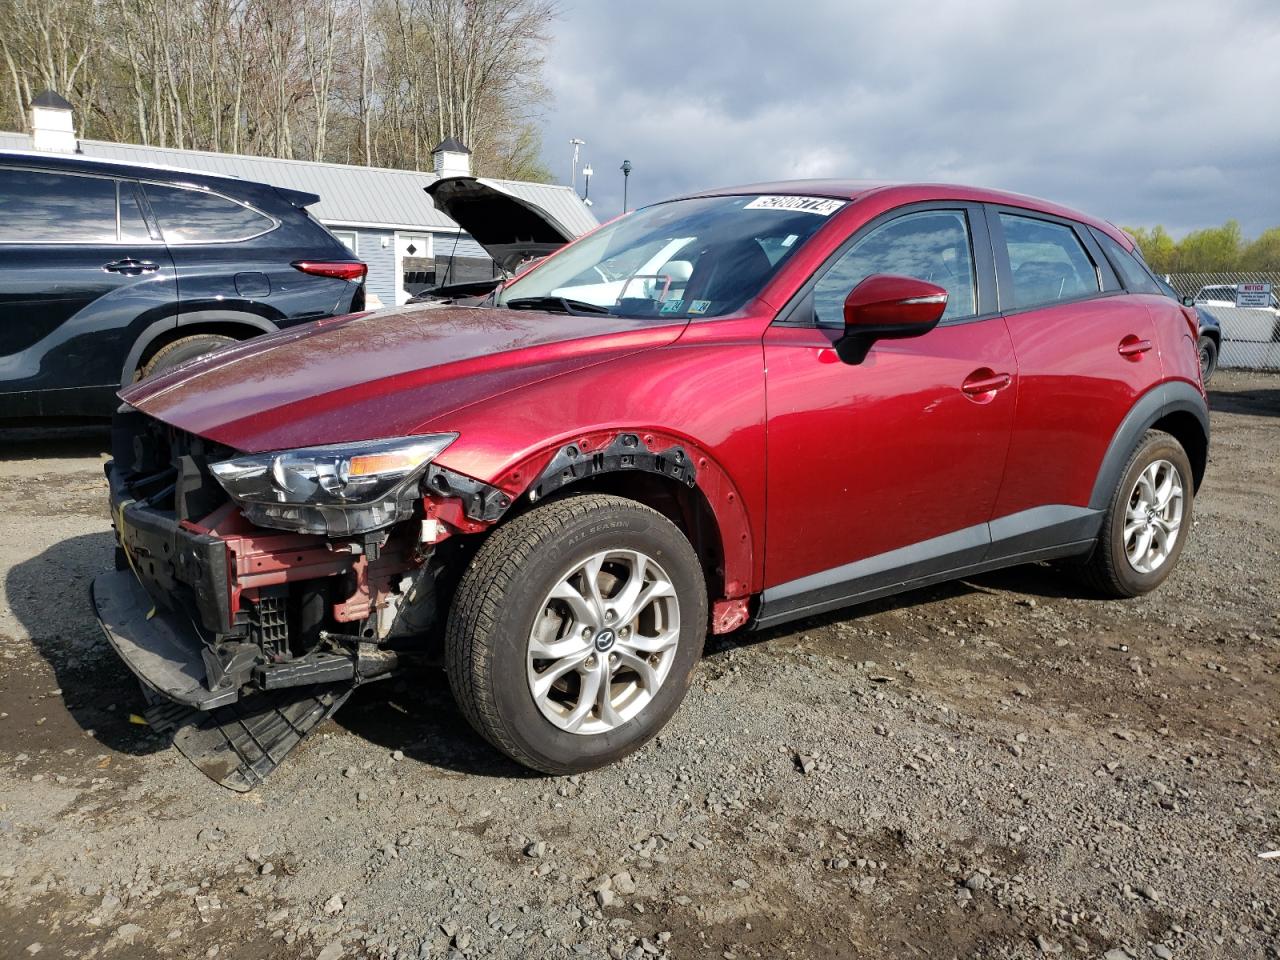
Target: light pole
column 586, row 190
column 626, row 172
column 573, row 174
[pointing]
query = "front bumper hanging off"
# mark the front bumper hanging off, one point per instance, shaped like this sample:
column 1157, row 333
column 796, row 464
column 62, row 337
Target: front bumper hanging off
column 162, row 651
column 235, row 734
column 243, row 638
column 235, row 740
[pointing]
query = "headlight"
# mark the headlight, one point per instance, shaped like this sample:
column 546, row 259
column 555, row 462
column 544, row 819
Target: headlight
column 342, row 489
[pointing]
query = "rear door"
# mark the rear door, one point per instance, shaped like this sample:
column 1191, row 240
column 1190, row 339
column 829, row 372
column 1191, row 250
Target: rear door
column 1086, row 351
column 235, row 257
column 886, row 471
column 81, row 276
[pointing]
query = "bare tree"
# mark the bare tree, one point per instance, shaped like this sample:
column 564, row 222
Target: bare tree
column 371, row 81
column 46, row 45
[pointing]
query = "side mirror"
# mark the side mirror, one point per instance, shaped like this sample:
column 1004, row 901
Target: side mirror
column 1188, row 301
column 886, row 307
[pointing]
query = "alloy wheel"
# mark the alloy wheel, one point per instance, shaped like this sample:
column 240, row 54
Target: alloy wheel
column 603, row 642
column 1153, row 516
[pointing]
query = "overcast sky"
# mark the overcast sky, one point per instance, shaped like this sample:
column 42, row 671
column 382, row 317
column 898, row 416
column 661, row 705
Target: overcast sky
column 1139, row 111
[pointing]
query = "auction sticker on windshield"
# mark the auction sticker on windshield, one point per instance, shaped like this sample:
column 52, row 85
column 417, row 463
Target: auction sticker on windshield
column 822, row 206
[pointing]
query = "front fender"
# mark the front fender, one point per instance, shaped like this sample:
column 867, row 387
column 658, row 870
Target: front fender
column 602, row 452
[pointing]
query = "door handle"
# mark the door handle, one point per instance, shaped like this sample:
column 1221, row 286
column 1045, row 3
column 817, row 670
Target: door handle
column 985, row 381
column 131, row 267
column 1133, row 347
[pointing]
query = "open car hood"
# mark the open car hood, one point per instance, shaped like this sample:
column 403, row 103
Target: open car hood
column 510, row 229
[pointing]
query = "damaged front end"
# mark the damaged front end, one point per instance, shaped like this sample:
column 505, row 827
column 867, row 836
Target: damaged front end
column 253, row 593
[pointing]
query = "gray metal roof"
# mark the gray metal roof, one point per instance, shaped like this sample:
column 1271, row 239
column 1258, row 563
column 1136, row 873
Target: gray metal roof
column 349, row 194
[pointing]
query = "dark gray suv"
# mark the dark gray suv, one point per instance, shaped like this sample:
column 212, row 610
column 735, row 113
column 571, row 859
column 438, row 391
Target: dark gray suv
column 112, row 271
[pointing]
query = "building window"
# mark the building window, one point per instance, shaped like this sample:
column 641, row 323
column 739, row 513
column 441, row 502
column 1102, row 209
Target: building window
column 350, row 240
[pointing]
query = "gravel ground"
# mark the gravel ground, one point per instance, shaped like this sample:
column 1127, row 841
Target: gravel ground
column 996, row 768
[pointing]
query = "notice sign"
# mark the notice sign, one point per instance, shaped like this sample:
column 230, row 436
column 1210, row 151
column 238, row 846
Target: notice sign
column 1253, row 295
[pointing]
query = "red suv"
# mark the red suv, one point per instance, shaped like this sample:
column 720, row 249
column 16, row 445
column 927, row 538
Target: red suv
column 728, row 410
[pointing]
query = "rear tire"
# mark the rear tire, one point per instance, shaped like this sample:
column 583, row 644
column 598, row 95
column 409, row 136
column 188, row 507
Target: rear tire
column 1208, row 358
column 182, row 350
column 1147, row 520
column 624, row 666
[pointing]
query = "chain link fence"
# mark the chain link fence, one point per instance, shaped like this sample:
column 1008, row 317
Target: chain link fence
column 1250, row 335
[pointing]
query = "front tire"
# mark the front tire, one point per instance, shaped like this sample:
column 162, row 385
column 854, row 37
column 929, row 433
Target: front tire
column 575, row 630
column 1147, row 521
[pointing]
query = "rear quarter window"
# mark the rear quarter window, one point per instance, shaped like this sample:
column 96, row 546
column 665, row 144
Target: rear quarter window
column 1132, row 274
column 195, row 216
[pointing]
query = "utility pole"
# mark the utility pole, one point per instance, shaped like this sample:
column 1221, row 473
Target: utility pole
column 577, row 142
column 626, row 173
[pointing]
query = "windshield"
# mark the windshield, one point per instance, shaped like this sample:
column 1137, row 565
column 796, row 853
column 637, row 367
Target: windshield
column 704, row 257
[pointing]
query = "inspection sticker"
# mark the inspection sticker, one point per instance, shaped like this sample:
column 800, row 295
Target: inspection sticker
column 822, row 206
column 700, row 306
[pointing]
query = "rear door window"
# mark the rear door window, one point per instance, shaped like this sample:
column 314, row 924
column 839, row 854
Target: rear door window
column 930, row 245
column 1047, row 261
column 38, row 206
column 196, row 216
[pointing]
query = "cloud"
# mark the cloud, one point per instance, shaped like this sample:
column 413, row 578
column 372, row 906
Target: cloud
column 1139, row 112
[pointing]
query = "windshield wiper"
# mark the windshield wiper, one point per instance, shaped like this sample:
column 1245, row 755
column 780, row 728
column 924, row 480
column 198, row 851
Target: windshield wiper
column 557, row 304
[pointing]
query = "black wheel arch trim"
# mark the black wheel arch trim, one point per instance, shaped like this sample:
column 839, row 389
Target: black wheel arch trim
column 169, row 324
column 624, row 452
column 1174, row 396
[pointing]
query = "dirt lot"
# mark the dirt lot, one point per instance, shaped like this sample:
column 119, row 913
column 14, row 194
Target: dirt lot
column 996, row 768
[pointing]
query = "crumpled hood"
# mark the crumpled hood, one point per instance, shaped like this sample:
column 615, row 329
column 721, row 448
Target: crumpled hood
column 386, row 374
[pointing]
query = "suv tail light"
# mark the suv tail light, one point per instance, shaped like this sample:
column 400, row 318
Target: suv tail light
column 341, row 269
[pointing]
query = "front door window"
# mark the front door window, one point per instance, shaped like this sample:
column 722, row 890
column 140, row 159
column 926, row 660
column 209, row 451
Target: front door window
column 931, row 245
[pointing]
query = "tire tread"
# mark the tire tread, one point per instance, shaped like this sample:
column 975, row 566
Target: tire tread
column 157, row 358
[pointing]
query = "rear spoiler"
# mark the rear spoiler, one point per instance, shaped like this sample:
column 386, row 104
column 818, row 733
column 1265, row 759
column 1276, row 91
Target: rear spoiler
column 298, row 198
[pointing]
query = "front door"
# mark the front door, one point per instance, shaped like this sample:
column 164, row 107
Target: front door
column 415, row 265
column 886, row 471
